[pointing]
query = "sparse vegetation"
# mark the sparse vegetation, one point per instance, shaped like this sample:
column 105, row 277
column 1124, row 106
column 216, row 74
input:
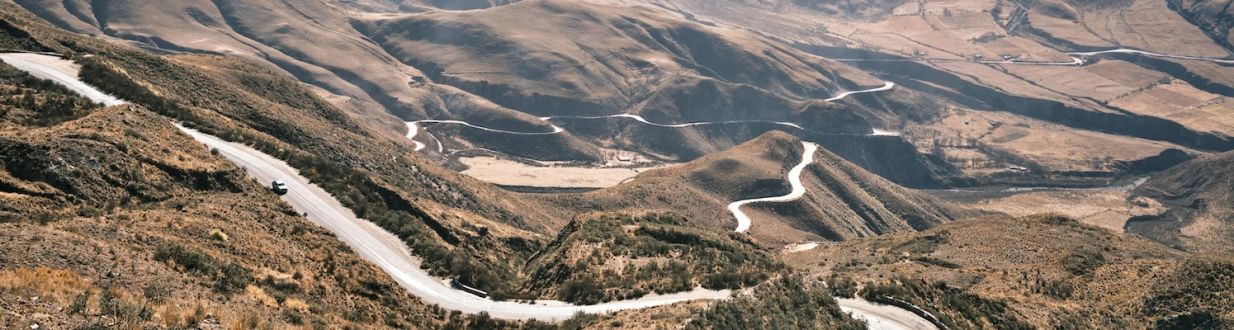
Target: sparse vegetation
column 218, row 234
column 1199, row 293
column 987, row 37
column 1083, row 261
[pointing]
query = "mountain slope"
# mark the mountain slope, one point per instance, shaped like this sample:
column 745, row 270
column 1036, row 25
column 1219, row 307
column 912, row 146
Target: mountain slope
column 1201, row 215
column 123, row 221
column 584, row 59
column 1139, row 24
column 841, row 201
column 368, row 56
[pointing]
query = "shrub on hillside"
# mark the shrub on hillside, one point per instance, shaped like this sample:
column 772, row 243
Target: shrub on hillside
column 784, row 303
column 228, row 277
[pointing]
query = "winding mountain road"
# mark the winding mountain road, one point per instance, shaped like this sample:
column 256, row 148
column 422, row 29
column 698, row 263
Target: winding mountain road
column 390, row 254
column 877, row 316
column 58, row 70
column 556, row 130
column 883, row 317
column 794, row 179
column 1077, row 58
column 413, row 127
column 691, row 124
column 369, row 241
column 886, row 87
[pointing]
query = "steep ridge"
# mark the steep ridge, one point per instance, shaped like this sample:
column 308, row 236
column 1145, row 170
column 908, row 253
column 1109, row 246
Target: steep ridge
column 303, row 39
column 618, row 55
column 1201, row 205
column 627, row 256
column 841, row 200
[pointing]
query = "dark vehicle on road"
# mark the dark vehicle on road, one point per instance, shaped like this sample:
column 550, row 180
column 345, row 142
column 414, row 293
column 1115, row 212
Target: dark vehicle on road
column 459, row 285
column 279, row 187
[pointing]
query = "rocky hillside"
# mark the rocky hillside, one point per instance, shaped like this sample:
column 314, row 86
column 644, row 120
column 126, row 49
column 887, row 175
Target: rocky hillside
column 240, row 102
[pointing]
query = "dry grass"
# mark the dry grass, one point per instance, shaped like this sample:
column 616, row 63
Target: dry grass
column 57, row 285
